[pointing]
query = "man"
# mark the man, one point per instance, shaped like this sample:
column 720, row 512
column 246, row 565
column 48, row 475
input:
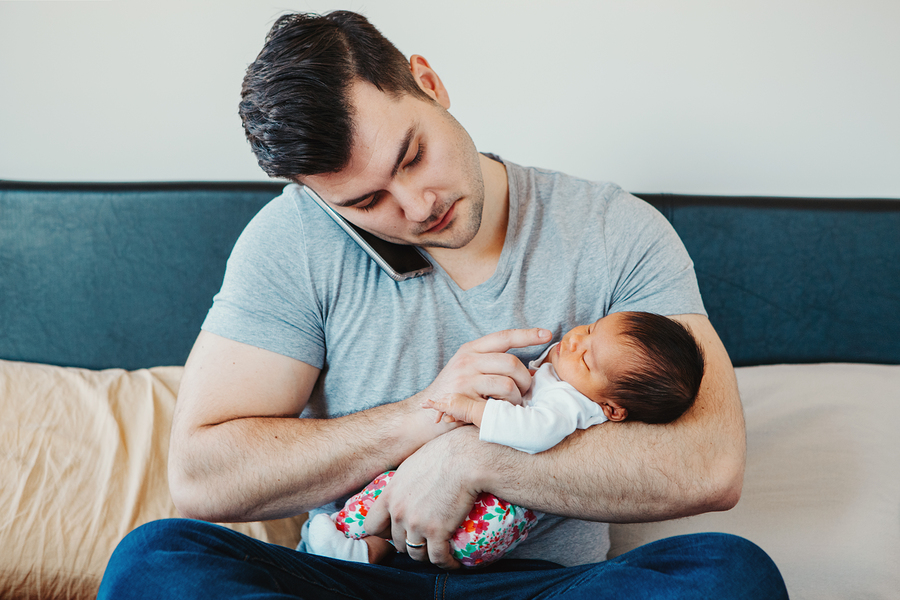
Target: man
column 306, row 323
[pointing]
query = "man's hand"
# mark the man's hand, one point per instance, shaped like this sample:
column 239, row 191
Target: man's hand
column 483, row 369
column 428, row 497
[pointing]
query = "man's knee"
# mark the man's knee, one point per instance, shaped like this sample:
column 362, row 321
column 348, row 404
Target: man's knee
column 734, row 565
column 165, row 536
column 703, row 565
column 751, row 563
column 148, row 553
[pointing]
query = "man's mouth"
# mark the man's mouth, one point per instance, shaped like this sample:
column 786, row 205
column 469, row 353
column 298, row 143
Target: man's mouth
column 443, row 222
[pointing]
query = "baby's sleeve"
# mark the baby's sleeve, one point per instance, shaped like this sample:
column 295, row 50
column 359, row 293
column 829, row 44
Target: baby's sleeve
column 531, row 429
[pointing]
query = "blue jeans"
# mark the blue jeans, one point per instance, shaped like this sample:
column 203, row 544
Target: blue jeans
column 182, row 559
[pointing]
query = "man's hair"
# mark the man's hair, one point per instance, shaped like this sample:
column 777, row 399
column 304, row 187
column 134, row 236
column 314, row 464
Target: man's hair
column 662, row 381
column 295, row 100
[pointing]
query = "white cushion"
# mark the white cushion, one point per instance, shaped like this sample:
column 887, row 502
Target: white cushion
column 822, row 486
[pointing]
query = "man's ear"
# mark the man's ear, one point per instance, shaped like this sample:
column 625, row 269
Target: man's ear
column 428, row 80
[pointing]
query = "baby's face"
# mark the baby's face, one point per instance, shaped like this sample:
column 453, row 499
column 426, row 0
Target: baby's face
column 587, row 354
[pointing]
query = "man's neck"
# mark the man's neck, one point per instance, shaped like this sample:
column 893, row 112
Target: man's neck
column 474, row 263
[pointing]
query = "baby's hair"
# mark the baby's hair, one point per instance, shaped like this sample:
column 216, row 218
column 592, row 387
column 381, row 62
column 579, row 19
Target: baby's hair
column 661, row 382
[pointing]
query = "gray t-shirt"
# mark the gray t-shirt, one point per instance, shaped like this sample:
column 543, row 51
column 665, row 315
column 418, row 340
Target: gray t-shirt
column 574, row 251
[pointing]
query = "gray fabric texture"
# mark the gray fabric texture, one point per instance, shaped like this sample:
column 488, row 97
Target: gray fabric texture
column 574, row 251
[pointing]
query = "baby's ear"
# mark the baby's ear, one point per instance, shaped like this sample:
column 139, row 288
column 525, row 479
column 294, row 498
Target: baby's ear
column 614, row 412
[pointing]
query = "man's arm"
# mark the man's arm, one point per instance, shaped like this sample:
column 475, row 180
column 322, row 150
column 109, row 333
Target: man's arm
column 622, row 473
column 238, row 451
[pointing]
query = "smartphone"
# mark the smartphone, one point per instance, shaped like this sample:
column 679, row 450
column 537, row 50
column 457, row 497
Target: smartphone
column 399, row 261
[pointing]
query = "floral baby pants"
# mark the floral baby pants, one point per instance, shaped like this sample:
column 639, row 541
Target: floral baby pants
column 492, row 528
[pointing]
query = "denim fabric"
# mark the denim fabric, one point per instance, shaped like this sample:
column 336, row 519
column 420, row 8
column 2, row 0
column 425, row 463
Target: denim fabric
column 191, row 559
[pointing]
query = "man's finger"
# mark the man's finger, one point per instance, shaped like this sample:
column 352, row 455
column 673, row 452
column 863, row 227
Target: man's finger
column 400, row 536
column 501, row 341
column 495, row 386
column 440, row 556
column 506, row 365
column 417, row 550
column 378, row 520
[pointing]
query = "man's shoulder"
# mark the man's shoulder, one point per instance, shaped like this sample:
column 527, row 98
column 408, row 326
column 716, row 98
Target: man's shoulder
column 275, row 212
column 293, row 215
column 549, row 185
column 284, row 205
column 292, row 238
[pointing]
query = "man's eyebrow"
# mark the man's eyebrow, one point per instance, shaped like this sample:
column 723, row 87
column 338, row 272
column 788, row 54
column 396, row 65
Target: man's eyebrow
column 401, row 153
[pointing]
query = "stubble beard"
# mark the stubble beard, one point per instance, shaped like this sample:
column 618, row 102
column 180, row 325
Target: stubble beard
column 465, row 225
column 467, row 222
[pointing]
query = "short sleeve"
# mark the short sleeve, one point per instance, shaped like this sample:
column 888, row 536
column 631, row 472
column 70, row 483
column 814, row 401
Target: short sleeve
column 649, row 267
column 267, row 298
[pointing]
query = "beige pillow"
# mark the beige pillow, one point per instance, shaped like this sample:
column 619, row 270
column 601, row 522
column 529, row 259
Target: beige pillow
column 822, row 485
column 83, row 463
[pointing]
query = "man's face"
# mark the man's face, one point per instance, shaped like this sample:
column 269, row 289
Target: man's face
column 414, row 175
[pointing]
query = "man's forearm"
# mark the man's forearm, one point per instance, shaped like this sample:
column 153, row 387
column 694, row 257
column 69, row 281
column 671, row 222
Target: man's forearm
column 270, row 467
column 574, row 479
column 239, row 452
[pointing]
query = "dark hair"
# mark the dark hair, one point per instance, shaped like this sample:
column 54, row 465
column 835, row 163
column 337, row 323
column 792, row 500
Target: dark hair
column 661, row 383
column 295, row 100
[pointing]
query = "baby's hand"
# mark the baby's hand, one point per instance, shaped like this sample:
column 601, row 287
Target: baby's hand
column 457, row 407
column 441, row 414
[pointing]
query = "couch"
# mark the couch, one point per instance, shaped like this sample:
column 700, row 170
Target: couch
column 103, row 288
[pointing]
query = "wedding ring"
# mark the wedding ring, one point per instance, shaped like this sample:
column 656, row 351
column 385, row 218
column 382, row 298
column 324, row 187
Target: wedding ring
column 411, row 545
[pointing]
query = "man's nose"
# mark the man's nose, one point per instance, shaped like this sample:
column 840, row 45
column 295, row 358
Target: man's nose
column 417, row 204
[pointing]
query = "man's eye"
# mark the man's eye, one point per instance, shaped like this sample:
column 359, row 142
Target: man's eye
column 418, row 157
column 370, row 204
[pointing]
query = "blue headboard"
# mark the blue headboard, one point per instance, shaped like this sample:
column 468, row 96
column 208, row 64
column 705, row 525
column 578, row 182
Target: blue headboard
column 121, row 275
column 114, row 275
column 790, row 280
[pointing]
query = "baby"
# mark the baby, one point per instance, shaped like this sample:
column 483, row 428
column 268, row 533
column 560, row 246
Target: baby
column 630, row 365
column 634, row 365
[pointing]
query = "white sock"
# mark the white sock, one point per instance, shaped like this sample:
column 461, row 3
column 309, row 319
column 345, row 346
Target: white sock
column 325, row 539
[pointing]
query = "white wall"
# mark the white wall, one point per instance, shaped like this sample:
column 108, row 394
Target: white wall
column 772, row 97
